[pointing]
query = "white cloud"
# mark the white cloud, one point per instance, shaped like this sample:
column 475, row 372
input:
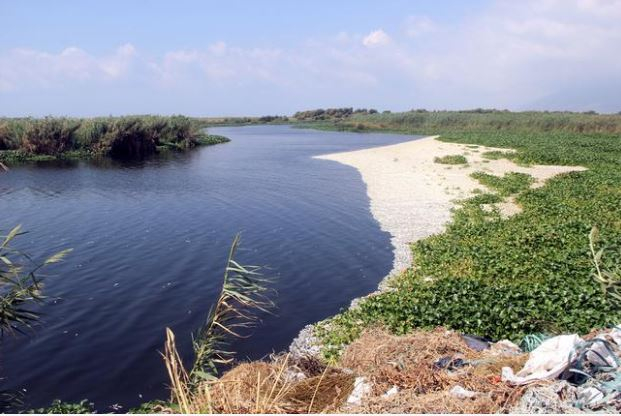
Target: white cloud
column 508, row 55
column 419, row 25
column 27, row 68
column 376, row 38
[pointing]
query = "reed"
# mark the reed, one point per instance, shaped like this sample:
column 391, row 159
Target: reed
column 117, row 137
column 20, row 284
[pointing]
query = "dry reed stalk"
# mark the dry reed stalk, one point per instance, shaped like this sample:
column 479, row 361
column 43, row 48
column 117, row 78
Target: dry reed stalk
column 179, row 379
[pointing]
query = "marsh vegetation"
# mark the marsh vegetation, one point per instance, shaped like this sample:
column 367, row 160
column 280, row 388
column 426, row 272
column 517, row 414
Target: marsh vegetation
column 129, row 137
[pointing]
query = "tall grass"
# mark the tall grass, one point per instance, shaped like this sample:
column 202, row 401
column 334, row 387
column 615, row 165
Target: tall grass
column 243, row 291
column 118, row 137
column 20, row 284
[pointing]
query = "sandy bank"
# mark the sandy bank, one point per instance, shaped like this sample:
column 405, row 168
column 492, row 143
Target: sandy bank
column 412, row 196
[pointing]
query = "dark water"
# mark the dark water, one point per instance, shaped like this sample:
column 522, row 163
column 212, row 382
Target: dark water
column 150, row 240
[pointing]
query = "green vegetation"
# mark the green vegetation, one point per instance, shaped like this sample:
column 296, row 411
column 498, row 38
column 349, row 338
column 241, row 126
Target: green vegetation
column 240, row 121
column 492, row 122
column 20, row 287
column 606, row 274
column 20, row 284
column 509, row 184
column 243, row 289
column 506, row 278
column 117, row 137
column 59, row 407
column 451, row 160
column 334, row 114
column 243, row 293
column 497, row 154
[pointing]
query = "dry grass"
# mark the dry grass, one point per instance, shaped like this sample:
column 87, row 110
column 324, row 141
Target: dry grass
column 404, row 361
column 437, row 402
column 308, row 386
column 408, row 363
column 257, row 387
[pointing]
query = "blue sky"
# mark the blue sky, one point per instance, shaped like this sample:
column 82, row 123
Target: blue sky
column 275, row 57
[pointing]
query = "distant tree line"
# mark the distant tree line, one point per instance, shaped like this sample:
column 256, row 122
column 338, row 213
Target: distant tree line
column 331, row 113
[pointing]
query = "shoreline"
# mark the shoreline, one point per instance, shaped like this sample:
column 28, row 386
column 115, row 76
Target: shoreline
column 412, row 196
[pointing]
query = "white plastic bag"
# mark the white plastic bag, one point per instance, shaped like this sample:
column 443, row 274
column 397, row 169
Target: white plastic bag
column 547, row 361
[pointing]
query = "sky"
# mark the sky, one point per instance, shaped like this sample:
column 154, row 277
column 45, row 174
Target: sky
column 215, row 58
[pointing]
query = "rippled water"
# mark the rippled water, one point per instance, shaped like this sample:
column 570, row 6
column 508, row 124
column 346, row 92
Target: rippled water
column 150, row 240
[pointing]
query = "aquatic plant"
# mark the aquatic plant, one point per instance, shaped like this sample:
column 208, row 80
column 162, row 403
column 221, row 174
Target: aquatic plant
column 243, row 293
column 509, row 184
column 50, row 136
column 20, row 287
column 529, row 273
column 118, row 137
column 59, row 407
column 20, row 284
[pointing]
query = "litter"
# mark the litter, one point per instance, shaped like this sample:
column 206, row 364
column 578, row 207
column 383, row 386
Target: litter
column 476, row 343
column 391, row 392
column 505, row 347
column 462, row 393
column 361, row 388
column 548, row 361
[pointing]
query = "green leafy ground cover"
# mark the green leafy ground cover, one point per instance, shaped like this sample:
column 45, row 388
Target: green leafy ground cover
column 506, row 278
column 509, row 184
column 451, row 160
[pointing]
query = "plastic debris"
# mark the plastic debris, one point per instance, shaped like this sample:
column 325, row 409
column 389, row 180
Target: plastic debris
column 531, row 341
column 391, row 392
column 547, row 361
column 462, row 393
column 361, row 389
column 450, row 363
column 475, row 342
column 505, row 347
column 589, row 396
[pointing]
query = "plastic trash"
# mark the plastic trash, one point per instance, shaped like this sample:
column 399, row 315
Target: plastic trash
column 391, row 392
column 505, row 347
column 462, row 393
column 361, row 388
column 450, row 363
column 476, row 343
column 547, row 361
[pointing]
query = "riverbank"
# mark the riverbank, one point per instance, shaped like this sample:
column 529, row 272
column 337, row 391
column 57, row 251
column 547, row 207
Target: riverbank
column 538, row 262
column 412, row 195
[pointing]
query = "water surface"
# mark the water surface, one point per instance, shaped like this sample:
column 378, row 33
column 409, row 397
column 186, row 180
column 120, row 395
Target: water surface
column 150, row 240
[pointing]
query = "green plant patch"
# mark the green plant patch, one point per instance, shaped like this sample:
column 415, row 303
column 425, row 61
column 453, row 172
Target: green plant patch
column 451, row 160
column 60, row 407
column 509, row 184
column 497, row 154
